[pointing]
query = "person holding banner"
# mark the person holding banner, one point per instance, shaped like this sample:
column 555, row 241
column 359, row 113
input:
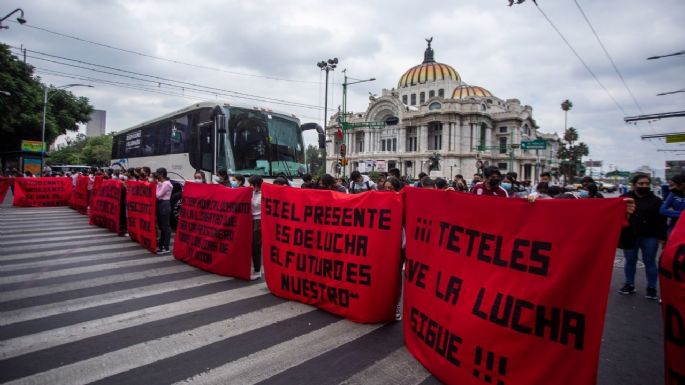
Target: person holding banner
column 675, row 202
column 491, row 185
column 256, row 183
column 164, row 189
column 646, row 229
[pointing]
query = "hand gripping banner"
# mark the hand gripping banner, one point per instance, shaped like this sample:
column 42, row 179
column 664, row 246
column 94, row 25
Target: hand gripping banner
column 503, row 291
column 5, row 184
column 141, row 209
column 672, row 282
column 335, row 251
column 79, row 196
column 214, row 230
column 37, row 192
column 106, row 205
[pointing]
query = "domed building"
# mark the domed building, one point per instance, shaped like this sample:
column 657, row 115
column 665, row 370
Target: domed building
column 434, row 122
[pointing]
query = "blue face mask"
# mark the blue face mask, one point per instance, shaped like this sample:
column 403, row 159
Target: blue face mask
column 584, row 194
column 506, row 186
column 234, row 183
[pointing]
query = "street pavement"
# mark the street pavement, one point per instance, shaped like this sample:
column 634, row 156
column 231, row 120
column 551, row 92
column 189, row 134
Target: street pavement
column 79, row 305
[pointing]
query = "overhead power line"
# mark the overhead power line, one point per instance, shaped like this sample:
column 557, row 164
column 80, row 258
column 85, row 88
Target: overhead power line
column 606, row 52
column 580, row 58
column 669, row 55
column 161, row 80
column 670, row 93
column 165, row 59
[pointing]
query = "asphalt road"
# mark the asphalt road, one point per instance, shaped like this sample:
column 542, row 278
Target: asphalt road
column 80, row 305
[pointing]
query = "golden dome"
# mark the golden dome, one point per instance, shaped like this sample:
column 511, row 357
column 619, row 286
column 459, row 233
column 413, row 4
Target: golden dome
column 466, row 91
column 428, row 71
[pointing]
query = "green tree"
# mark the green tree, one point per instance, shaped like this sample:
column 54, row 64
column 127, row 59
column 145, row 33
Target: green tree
column 91, row 151
column 21, row 112
column 315, row 161
column 571, row 153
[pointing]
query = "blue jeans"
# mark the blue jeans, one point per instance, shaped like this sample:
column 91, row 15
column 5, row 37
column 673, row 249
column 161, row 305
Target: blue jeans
column 649, row 247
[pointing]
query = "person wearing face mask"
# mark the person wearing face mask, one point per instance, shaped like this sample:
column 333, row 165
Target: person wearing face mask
column 164, row 189
column 221, row 178
column 199, row 177
column 491, row 185
column 256, row 183
column 646, row 230
column 675, row 202
column 590, row 191
column 236, row 180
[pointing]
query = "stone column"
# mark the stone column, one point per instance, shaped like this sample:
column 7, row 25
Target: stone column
column 445, row 136
column 402, row 140
column 423, row 138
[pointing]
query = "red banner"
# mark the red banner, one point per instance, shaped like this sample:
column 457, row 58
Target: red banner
column 79, row 196
column 495, row 292
column 336, row 251
column 5, row 184
column 214, row 231
column 141, row 209
column 97, row 182
column 41, row 192
column 106, row 205
column 672, row 282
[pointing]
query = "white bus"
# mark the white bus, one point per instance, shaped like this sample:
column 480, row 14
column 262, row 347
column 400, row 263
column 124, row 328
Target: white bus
column 211, row 136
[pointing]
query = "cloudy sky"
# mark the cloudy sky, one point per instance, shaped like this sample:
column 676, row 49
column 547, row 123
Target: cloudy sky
column 268, row 50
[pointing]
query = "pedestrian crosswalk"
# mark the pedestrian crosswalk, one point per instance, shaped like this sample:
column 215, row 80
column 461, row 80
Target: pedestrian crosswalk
column 79, row 305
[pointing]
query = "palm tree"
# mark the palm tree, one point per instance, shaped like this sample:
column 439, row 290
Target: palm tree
column 566, row 105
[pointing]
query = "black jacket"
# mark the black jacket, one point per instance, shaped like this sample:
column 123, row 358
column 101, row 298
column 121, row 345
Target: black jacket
column 645, row 222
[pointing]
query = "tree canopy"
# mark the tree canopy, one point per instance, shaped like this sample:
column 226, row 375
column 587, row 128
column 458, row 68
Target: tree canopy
column 571, row 153
column 91, row 151
column 21, row 112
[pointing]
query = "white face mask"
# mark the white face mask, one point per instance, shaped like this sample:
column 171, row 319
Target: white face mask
column 150, row 179
column 198, row 180
column 115, row 176
column 216, row 179
column 123, row 177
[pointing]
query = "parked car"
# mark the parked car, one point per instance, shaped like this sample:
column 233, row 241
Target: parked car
column 608, row 187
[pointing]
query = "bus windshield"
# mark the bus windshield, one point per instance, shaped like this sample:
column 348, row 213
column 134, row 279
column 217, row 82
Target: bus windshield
column 264, row 144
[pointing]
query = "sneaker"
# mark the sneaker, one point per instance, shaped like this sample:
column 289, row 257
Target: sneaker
column 255, row 276
column 627, row 289
column 398, row 313
column 161, row 251
column 651, row 293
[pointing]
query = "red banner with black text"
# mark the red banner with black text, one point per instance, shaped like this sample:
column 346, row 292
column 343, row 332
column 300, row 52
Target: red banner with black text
column 141, row 210
column 5, row 184
column 672, row 282
column 79, row 196
column 105, row 211
column 335, row 251
column 214, row 231
column 41, row 192
column 496, row 293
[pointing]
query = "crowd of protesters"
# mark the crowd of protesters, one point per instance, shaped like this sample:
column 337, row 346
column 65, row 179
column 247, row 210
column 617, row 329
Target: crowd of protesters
column 651, row 219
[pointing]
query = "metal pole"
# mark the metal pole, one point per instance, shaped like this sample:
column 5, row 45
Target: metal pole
column 325, row 104
column 42, row 141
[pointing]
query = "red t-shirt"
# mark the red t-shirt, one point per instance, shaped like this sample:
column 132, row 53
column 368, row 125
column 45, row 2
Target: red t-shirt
column 483, row 188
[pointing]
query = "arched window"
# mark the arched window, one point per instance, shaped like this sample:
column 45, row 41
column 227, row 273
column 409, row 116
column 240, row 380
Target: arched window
column 483, row 107
column 431, row 93
column 404, row 99
column 422, row 97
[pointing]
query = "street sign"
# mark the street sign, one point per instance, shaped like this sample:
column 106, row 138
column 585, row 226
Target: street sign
column 675, row 138
column 32, row 146
column 537, row 144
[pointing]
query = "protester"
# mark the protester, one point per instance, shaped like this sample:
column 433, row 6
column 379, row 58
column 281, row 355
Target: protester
column 221, row 178
column 646, row 229
column 360, row 183
column 546, row 177
column 164, row 189
column 256, row 183
column 592, row 191
column 236, row 180
column 427, row 182
column 421, row 176
column 491, row 186
column 477, row 178
column 341, row 183
column 307, row 181
column 395, row 172
column 327, row 182
column 392, row 184
column 281, row 181
column 675, row 202
column 199, row 177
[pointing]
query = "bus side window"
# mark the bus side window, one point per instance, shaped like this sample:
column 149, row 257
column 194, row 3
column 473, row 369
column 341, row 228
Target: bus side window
column 206, row 140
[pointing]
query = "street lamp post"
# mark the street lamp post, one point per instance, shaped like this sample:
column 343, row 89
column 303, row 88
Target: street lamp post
column 343, row 118
column 45, row 110
column 20, row 19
